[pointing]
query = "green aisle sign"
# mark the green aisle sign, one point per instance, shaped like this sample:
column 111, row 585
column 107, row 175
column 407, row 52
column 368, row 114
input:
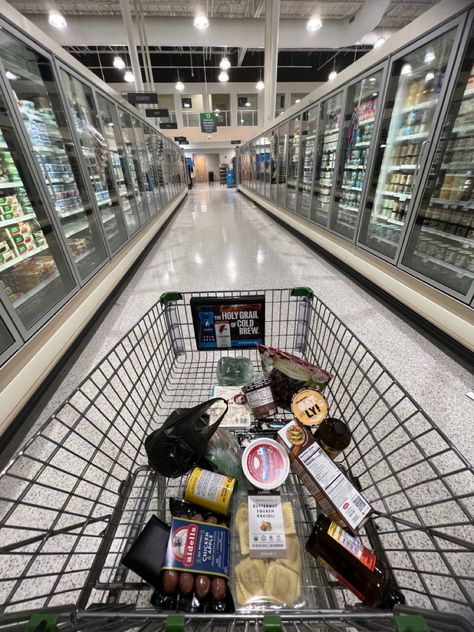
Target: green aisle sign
column 208, row 122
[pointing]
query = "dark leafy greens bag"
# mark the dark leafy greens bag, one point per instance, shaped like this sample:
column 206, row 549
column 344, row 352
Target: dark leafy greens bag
column 179, row 444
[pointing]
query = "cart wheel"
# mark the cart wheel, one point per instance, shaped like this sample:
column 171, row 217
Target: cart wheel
column 410, row 623
column 174, row 623
column 42, row 623
column 272, row 623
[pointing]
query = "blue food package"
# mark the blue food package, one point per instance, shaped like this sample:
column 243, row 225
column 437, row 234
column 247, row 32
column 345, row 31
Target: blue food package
column 198, row 547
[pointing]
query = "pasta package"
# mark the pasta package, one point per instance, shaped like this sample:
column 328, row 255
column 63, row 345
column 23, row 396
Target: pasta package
column 273, row 581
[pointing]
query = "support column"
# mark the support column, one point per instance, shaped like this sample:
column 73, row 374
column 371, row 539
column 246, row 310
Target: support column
column 177, row 108
column 233, row 109
column 272, row 25
column 132, row 49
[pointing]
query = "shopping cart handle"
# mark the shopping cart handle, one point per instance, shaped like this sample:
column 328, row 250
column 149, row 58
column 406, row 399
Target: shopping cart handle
column 169, row 297
column 42, row 623
column 302, row 291
column 272, row 623
column 174, row 623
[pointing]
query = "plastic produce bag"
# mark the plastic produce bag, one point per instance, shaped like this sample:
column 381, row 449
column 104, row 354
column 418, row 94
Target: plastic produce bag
column 288, row 374
column 234, row 371
column 224, row 455
column 180, row 443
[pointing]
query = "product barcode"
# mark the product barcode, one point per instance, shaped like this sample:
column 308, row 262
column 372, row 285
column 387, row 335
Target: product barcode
column 360, row 503
column 353, row 546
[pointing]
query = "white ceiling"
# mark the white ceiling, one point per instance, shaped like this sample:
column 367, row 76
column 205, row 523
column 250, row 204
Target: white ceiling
column 399, row 13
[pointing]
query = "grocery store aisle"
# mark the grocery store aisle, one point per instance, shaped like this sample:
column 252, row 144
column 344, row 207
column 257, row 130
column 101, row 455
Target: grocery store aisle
column 219, row 240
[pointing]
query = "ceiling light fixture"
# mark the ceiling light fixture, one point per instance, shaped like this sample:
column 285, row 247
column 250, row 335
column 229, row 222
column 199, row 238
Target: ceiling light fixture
column 314, row 24
column 179, row 85
column 332, row 75
column 129, row 77
column 217, row 110
column 119, row 63
column 260, row 85
column 429, row 76
column 372, row 79
column 297, row 100
column 223, row 76
column 248, row 104
column 429, row 57
column 225, row 64
column 201, row 22
column 57, row 20
column 406, row 69
column 379, row 41
column 11, row 75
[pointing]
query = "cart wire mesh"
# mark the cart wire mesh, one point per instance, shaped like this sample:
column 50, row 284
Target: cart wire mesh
column 75, row 497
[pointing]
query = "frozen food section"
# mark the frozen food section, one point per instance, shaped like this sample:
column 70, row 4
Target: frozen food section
column 78, row 181
column 381, row 159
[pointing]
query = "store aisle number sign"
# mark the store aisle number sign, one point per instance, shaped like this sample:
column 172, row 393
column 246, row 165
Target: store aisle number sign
column 208, row 122
column 228, row 323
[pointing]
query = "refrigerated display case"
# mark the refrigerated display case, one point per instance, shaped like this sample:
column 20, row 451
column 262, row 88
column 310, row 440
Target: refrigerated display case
column 273, row 165
column 39, row 103
column 94, row 149
column 294, row 136
column 326, row 158
column 9, row 339
column 282, row 162
column 305, row 179
column 153, row 175
column 415, row 84
column 440, row 247
column 143, row 168
column 358, row 131
column 121, row 171
column 132, row 162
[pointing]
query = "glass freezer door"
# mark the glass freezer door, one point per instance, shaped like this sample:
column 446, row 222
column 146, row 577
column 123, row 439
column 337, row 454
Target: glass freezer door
column 328, row 134
column 143, row 168
column 8, row 343
column 441, row 243
column 305, row 182
column 121, row 172
column 273, row 166
column 96, row 156
column 282, row 160
column 407, row 125
column 132, row 162
column 34, row 273
column 293, row 162
column 36, row 94
column 153, row 163
column 361, row 107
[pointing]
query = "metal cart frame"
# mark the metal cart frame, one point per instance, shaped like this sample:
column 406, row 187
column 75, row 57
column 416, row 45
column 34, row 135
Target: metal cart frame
column 75, row 497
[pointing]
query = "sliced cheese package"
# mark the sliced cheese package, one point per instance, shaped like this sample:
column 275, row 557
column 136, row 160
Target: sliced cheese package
column 267, row 555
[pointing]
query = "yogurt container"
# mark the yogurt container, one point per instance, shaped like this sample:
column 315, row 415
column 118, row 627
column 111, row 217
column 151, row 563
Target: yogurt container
column 265, row 463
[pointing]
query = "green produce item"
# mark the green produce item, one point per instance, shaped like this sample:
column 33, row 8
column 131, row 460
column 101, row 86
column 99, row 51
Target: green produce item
column 234, row 371
column 224, row 455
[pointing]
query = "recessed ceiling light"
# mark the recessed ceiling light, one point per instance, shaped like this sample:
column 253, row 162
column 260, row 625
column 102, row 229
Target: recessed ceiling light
column 379, row 41
column 11, row 75
column 248, row 104
column 179, row 85
column 201, row 22
column 260, row 85
column 225, row 64
column 332, row 75
column 57, row 20
column 119, row 63
column 129, row 77
column 314, row 24
column 187, row 105
column 297, row 100
column 223, row 76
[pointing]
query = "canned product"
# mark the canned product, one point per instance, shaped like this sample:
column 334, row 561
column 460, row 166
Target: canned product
column 461, row 258
column 210, row 490
column 450, row 255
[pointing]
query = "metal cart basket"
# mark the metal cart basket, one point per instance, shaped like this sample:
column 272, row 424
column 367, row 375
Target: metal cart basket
column 77, row 494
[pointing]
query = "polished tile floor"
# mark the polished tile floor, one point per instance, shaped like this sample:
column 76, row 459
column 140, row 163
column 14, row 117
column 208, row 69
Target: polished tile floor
column 219, row 240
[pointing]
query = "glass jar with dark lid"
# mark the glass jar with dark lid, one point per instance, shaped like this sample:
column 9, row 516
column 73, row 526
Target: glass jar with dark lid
column 333, row 436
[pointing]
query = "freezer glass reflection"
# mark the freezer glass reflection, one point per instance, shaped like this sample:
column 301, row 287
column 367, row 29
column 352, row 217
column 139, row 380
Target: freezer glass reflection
column 120, row 168
column 282, row 162
column 293, row 161
column 34, row 274
column 441, row 244
column 96, row 156
column 324, row 169
column 32, row 80
column 133, row 165
column 305, row 180
column 414, row 89
column 362, row 102
column 143, row 170
column 153, row 167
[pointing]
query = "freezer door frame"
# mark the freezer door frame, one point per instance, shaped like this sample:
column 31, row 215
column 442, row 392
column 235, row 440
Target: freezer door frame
column 456, row 25
column 460, row 51
column 299, row 117
column 314, row 106
column 40, row 185
column 18, row 340
column 383, row 66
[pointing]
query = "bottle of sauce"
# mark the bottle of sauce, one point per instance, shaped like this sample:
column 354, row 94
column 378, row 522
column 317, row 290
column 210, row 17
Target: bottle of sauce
column 333, row 435
column 355, row 566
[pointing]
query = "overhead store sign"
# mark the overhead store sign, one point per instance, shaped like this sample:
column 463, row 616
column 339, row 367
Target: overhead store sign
column 208, row 122
column 235, row 142
column 180, row 139
column 184, row 142
column 168, row 125
column 142, row 97
column 159, row 112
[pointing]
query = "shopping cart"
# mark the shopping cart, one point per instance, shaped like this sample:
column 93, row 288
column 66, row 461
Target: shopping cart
column 74, row 498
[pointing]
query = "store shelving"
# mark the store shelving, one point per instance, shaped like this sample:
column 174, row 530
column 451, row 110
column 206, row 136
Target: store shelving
column 35, row 290
column 23, row 257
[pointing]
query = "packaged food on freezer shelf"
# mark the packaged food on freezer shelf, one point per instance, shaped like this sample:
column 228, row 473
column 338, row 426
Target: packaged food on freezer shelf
column 268, row 569
column 336, row 495
column 288, row 374
column 237, row 415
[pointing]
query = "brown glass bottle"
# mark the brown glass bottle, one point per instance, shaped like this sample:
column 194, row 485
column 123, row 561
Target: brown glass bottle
column 333, row 435
column 356, row 567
